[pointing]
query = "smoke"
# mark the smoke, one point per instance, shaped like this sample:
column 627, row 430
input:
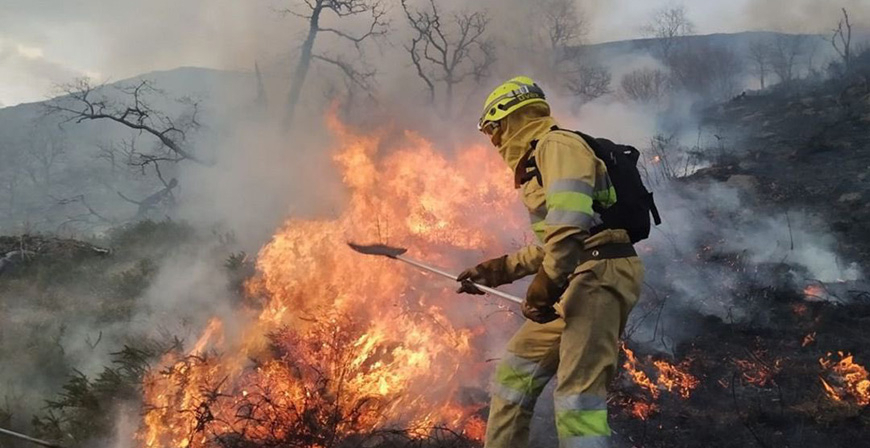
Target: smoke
column 262, row 175
column 802, row 16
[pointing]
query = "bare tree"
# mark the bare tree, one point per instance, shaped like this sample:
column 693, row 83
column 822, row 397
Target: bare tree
column 667, row 26
column 564, row 25
column 449, row 50
column 83, row 102
column 44, row 148
column 707, row 70
column 787, row 51
column 171, row 137
column 572, row 67
column 760, row 55
column 315, row 11
column 841, row 40
column 645, row 86
column 588, row 81
column 162, row 197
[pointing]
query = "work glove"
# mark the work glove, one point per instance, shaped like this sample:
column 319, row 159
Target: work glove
column 490, row 273
column 542, row 294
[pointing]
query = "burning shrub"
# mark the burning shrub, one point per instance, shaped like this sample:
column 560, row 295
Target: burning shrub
column 329, row 353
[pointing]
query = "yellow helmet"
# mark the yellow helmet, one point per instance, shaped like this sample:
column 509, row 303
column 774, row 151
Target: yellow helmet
column 508, row 97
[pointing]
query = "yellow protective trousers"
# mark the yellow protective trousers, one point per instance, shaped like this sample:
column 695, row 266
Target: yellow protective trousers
column 581, row 349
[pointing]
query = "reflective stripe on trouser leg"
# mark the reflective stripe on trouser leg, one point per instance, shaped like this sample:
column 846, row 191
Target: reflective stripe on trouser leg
column 595, row 308
column 532, row 358
column 581, row 421
column 520, row 381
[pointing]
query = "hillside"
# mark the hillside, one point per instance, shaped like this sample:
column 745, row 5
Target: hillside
column 750, row 330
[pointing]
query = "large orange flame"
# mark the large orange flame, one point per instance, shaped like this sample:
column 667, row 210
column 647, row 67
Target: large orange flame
column 845, row 380
column 339, row 343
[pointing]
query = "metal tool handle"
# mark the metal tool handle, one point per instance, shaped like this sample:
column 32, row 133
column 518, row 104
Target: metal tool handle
column 28, row 438
column 483, row 288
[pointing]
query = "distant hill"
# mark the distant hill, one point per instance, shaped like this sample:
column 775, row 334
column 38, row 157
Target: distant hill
column 738, row 42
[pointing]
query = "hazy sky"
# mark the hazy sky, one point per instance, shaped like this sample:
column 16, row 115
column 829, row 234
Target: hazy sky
column 45, row 42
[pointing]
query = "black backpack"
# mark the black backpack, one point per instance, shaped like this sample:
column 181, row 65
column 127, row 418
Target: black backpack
column 634, row 203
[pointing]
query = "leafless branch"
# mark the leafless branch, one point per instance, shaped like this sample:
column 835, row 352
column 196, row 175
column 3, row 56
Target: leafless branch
column 565, row 27
column 84, row 102
column 667, row 26
column 760, row 52
column 361, row 78
column 786, row 53
column 841, row 40
column 645, row 85
column 378, row 26
column 449, row 52
column 588, row 81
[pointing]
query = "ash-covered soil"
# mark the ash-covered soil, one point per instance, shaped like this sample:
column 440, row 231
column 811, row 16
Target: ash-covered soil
column 767, row 367
column 805, row 147
column 764, row 376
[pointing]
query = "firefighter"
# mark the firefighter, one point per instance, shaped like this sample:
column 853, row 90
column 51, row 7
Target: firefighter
column 586, row 278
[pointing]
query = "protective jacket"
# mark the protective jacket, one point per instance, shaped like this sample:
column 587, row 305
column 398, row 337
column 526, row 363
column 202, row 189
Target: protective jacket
column 581, row 347
column 560, row 202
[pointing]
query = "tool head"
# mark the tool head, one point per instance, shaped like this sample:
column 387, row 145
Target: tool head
column 378, row 249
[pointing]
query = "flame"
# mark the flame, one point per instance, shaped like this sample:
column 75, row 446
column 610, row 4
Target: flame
column 672, row 378
column 637, row 375
column 342, row 344
column 846, row 380
column 675, row 379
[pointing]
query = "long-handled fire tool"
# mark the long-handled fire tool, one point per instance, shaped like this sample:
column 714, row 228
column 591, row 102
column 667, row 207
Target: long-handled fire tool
column 396, row 253
column 27, row 438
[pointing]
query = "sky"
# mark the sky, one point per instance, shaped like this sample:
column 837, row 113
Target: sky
column 44, row 43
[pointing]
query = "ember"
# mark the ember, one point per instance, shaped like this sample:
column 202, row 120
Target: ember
column 757, row 370
column 809, row 339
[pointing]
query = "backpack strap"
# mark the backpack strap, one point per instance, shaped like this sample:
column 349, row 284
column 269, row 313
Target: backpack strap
column 657, row 219
column 527, row 168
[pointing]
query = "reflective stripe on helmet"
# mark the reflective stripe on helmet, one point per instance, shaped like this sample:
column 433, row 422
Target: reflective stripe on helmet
column 508, row 97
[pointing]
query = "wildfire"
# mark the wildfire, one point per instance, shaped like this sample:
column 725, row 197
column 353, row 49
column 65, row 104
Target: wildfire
column 672, row 378
column 846, row 380
column 344, row 345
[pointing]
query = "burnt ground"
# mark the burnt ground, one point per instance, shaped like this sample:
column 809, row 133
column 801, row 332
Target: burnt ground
column 759, row 381
column 801, row 149
column 804, row 148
